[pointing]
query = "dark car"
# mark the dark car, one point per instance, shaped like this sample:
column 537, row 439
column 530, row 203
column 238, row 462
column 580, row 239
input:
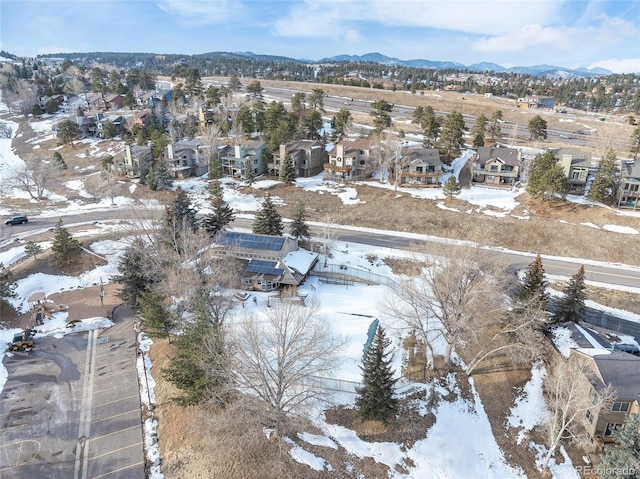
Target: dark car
column 17, row 220
column 627, row 348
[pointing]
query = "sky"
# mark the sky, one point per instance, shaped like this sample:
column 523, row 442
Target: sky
column 569, row 33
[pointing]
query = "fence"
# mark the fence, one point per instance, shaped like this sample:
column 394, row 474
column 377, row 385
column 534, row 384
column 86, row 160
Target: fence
column 350, row 273
column 342, row 385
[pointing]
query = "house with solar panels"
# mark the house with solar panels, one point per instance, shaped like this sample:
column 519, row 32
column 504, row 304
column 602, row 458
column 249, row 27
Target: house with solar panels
column 269, row 261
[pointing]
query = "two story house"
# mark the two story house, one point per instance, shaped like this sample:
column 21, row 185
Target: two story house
column 418, row 166
column 247, row 155
column 536, row 102
column 496, row 166
column 577, row 167
column 628, row 191
column 349, row 160
column 309, row 158
column 137, row 159
column 268, row 262
column 187, row 158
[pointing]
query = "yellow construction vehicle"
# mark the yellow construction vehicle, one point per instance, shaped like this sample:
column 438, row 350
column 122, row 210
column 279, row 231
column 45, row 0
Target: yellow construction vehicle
column 23, row 341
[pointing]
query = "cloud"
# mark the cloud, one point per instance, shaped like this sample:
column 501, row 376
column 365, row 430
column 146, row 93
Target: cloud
column 527, row 37
column 352, row 36
column 203, row 12
column 630, row 65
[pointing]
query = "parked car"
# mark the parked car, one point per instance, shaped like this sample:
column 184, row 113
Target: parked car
column 627, row 348
column 17, row 220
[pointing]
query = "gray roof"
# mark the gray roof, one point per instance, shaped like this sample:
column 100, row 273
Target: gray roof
column 509, row 156
column 630, row 169
column 622, row 371
column 420, row 154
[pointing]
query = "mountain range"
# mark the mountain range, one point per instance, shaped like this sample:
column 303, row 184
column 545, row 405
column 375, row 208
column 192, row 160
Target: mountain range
column 537, row 70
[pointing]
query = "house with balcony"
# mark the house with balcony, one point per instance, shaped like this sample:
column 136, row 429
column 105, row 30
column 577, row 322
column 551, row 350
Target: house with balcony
column 607, row 364
column 117, row 121
column 536, row 102
column 309, row 158
column 112, row 101
column 268, row 262
column 418, row 166
column 496, row 166
column 577, row 167
column 137, row 159
column 247, row 155
column 349, row 160
column 628, row 190
column 187, row 158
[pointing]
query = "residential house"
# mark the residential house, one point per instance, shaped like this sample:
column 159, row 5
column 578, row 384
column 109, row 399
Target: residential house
column 536, row 102
column 628, row 191
column 349, row 160
column 268, row 261
column 309, row 157
column 577, row 167
column 607, row 366
column 187, row 158
column 206, row 116
column 141, row 118
column 238, row 159
column 92, row 101
column 116, row 120
column 137, row 159
column 418, row 166
column 113, row 101
column 153, row 98
column 496, row 166
column 70, row 105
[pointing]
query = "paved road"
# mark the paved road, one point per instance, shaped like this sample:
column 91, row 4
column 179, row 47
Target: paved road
column 71, row 407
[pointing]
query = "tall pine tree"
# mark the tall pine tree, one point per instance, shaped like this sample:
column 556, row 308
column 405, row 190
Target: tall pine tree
column 156, row 320
column 547, row 177
column 268, row 221
column 221, row 214
column 624, row 454
column 375, row 399
column 7, row 284
column 179, row 220
column 603, row 182
column 451, row 187
column 299, row 227
column 288, row 171
column 65, row 246
column 535, row 284
column 571, row 306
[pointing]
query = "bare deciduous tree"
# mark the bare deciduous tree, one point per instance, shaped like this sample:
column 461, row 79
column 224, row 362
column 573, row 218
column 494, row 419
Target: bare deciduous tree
column 569, row 393
column 35, row 178
column 281, row 355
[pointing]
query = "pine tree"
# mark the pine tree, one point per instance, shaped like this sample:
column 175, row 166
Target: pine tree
column 156, row 320
column 135, row 275
column 59, row 161
column 220, row 216
column 215, row 168
column 603, row 182
column 268, row 221
column 32, row 249
column 624, row 455
column 7, row 285
column 64, row 246
column 179, row 220
column 248, row 176
column 375, row 399
column 288, row 171
column 451, row 187
column 571, row 306
column 299, row 227
column 534, row 285
column 547, row 177
column 162, row 176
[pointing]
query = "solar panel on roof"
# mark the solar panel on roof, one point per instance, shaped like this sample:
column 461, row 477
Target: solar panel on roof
column 247, row 240
column 264, row 267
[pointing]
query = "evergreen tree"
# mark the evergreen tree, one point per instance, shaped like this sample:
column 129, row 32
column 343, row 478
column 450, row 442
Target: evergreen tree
column 342, row 121
column 452, row 134
column 215, row 168
column 375, row 399
column 150, row 180
column 68, row 131
column 624, row 454
column 535, row 284
column 59, row 161
column 156, row 320
column 220, row 216
column 603, row 182
column 7, row 285
column 64, row 246
column 179, row 220
column 136, row 276
column 547, row 177
column 494, row 125
column 248, row 176
column 32, row 249
column 288, row 171
column 537, row 128
column 451, row 187
column 571, row 306
column 380, row 111
column 479, row 129
column 268, row 221
column 299, row 227
column 161, row 175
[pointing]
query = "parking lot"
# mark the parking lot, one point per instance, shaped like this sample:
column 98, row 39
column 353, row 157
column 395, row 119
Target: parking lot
column 71, row 408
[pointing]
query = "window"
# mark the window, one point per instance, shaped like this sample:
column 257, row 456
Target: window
column 593, row 395
column 494, row 167
column 620, row 407
column 610, row 428
column 589, row 417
